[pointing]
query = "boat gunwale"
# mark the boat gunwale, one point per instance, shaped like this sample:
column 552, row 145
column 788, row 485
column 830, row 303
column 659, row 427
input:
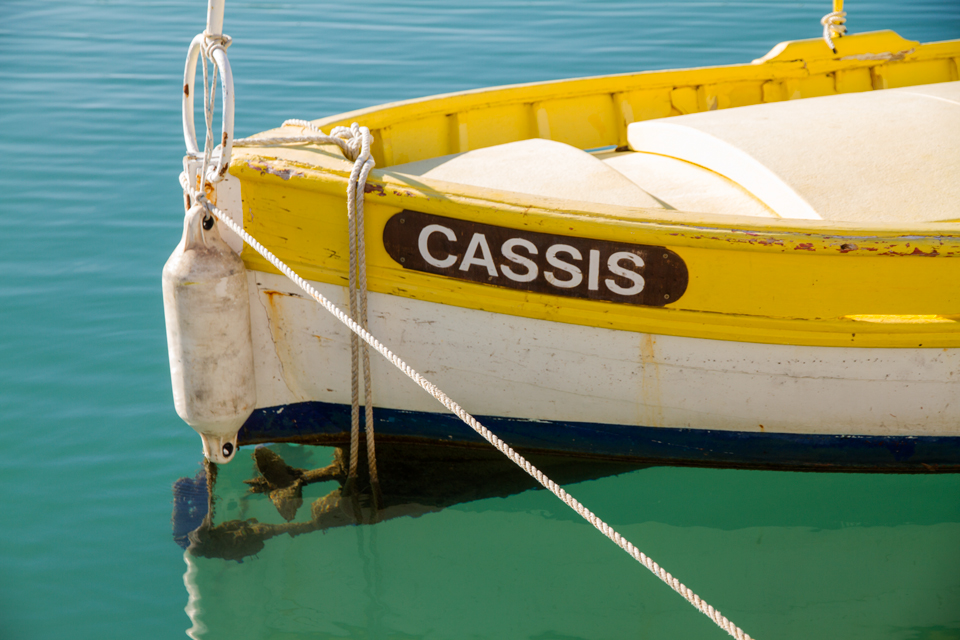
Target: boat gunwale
column 377, row 116
column 330, row 175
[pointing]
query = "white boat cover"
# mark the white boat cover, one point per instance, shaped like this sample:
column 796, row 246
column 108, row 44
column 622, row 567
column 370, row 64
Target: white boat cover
column 878, row 156
column 536, row 167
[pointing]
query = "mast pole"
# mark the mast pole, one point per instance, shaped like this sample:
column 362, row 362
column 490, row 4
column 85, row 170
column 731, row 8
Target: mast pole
column 214, row 18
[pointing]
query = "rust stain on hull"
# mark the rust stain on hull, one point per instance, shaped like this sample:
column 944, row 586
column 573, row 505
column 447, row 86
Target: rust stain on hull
column 651, row 400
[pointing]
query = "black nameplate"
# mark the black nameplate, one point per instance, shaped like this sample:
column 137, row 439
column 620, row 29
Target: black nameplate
column 540, row 262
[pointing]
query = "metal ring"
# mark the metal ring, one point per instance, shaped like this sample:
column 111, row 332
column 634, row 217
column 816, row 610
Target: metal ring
column 219, row 55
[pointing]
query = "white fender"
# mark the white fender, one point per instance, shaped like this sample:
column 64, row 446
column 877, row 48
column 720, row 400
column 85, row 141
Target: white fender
column 206, row 306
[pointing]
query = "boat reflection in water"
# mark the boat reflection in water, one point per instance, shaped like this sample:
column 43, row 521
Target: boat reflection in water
column 885, row 547
column 415, row 479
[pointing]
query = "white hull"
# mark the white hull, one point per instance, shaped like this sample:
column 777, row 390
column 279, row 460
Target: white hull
column 515, row 367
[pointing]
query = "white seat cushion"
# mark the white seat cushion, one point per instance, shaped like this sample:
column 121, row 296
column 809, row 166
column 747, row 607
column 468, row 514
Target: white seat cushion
column 536, row 167
column 877, row 156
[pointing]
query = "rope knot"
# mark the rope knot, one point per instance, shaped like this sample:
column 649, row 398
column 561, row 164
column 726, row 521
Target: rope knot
column 212, row 42
column 834, row 26
column 356, row 141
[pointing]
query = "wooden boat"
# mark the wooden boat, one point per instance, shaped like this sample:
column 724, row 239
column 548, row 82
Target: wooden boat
column 751, row 265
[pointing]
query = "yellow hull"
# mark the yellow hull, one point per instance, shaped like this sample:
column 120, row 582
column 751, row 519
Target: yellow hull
column 776, row 281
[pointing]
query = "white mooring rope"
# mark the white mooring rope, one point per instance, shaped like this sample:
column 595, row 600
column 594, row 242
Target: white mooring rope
column 358, row 177
column 834, row 26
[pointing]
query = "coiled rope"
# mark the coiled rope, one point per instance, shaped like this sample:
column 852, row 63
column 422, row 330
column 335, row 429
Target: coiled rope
column 834, row 24
column 356, row 187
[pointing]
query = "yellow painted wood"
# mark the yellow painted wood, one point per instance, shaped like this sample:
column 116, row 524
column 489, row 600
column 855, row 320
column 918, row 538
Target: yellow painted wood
column 861, row 46
column 645, row 104
column 853, row 81
column 491, row 126
column 751, row 279
column 908, row 74
column 725, row 95
column 423, row 128
column 585, row 122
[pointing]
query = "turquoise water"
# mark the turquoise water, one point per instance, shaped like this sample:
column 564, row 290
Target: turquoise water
column 89, row 211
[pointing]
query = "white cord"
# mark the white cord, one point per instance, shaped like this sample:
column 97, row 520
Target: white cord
column 833, row 27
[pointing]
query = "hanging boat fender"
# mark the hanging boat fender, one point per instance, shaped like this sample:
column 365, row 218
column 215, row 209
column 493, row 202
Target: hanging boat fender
column 207, row 312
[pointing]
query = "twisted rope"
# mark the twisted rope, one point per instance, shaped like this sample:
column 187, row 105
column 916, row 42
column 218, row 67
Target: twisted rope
column 210, row 45
column 343, row 137
column 354, row 142
column 719, row 619
column 209, row 96
column 834, row 26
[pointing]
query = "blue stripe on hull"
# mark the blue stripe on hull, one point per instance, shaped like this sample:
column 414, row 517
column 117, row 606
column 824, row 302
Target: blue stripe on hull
column 324, row 423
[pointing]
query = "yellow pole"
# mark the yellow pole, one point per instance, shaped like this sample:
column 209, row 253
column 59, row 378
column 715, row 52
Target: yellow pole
column 838, row 5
